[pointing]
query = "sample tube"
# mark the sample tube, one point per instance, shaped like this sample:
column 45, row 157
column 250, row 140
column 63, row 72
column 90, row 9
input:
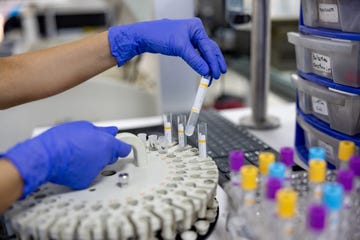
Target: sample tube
column 346, row 150
column 265, row 159
column 142, row 137
column 202, row 134
column 236, row 161
column 167, row 118
column 286, row 208
column 153, row 143
column 317, row 153
column 287, row 157
column 163, row 144
column 195, row 111
column 317, row 175
column 181, row 121
column 277, row 170
column 316, row 222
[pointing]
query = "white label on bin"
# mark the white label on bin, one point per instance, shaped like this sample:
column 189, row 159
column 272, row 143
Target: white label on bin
column 321, row 62
column 328, row 149
column 328, row 13
column 319, row 106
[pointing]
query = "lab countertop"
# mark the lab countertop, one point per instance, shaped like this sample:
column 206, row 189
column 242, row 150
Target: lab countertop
column 276, row 138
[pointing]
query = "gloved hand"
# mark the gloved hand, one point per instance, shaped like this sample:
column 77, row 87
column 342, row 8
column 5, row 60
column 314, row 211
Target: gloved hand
column 71, row 154
column 170, row 37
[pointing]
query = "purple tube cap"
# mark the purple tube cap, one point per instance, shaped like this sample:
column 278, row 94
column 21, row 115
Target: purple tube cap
column 354, row 164
column 273, row 184
column 346, row 178
column 316, row 217
column 236, row 160
column 287, row 156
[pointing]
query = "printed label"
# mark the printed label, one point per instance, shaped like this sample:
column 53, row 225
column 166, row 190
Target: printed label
column 202, row 146
column 181, row 135
column 328, row 13
column 168, row 134
column 328, row 149
column 321, row 62
column 319, row 106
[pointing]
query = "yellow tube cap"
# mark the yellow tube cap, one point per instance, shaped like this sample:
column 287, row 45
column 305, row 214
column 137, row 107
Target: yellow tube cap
column 317, row 171
column 265, row 159
column 286, row 200
column 248, row 177
column 346, row 150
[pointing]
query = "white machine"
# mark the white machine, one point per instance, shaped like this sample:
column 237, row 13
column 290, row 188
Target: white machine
column 162, row 192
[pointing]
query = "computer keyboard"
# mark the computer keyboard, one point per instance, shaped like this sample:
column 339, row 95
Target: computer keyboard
column 222, row 137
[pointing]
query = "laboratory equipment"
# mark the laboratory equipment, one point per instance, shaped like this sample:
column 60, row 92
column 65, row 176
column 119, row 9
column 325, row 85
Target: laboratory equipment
column 163, row 144
column 333, row 14
column 236, row 161
column 311, row 132
column 245, row 226
column 265, row 159
column 345, row 151
column 142, row 137
column 135, row 201
column 181, row 123
column 317, row 177
column 202, row 136
column 167, row 119
column 287, row 157
column 332, row 198
column 277, row 170
column 345, row 177
column 316, row 222
column 331, row 58
column 317, row 153
column 340, row 109
column 153, row 142
column 224, row 136
column 195, row 110
column 286, row 204
column 268, row 206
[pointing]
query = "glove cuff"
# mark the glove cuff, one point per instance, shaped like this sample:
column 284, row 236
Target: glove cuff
column 123, row 45
column 30, row 159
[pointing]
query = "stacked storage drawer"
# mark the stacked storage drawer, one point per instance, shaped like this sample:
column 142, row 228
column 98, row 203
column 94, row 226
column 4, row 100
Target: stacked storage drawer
column 328, row 80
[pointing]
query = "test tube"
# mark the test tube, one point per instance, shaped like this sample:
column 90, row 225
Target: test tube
column 163, row 144
column 202, row 134
column 195, row 110
column 181, row 121
column 167, row 117
column 142, row 137
column 346, row 150
column 153, row 143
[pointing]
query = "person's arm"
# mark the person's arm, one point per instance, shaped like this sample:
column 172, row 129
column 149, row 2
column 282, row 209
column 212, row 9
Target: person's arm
column 34, row 75
column 39, row 74
column 11, row 184
column 70, row 154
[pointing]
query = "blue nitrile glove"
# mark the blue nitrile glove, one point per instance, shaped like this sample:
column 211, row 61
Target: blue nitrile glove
column 170, row 37
column 71, row 154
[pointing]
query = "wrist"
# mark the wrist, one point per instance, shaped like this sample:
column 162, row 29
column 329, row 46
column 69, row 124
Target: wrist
column 123, row 43
column 31, row 161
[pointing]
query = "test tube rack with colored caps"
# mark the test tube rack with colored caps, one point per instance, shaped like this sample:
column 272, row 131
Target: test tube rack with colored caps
column 301, row 206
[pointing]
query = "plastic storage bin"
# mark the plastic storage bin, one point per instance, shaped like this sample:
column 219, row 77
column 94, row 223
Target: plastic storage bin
column 341, row 110
column 335, row 59
column 316, row 136
column 342, row 15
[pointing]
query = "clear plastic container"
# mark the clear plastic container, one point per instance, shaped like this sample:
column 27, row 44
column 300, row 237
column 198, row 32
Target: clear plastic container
column 343, row 15
column 314, row 137
column 335, row 59
column 341, row 110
